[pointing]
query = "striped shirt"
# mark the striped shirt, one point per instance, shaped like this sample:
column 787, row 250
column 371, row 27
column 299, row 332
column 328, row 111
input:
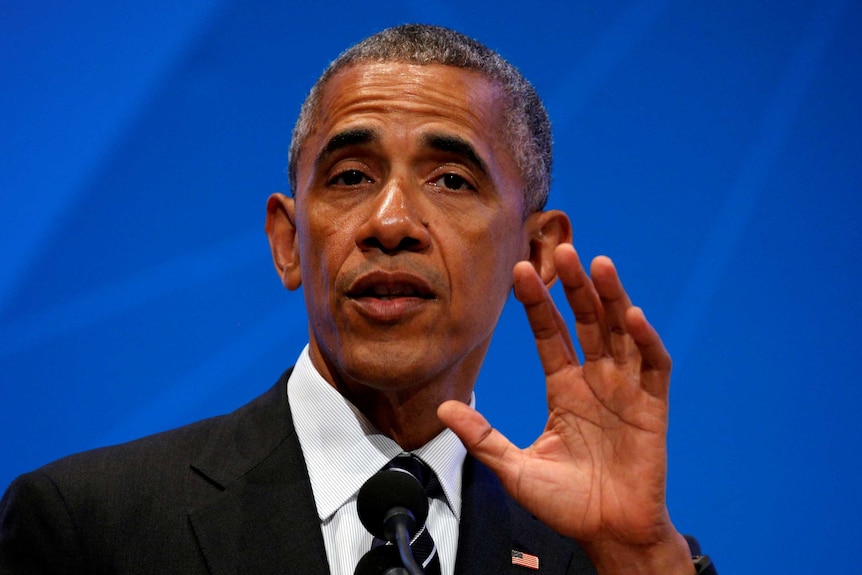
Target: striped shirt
column 342, row 449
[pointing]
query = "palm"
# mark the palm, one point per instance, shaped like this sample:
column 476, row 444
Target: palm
column 600, row 456
column 598, row 469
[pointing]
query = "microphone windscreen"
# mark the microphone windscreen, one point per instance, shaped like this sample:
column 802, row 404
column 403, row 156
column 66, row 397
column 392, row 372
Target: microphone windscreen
column 383, row 560
column 385, row 491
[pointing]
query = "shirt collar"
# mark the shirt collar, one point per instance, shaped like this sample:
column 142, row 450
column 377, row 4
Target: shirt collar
column 342, row 448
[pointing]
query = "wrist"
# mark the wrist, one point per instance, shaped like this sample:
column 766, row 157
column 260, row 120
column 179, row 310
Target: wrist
column 671, row 556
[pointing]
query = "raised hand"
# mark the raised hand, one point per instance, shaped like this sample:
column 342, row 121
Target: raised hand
column 598, row 471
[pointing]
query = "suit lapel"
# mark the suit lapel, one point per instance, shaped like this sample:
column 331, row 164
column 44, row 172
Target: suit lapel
column 262, row 518
column 486, row 524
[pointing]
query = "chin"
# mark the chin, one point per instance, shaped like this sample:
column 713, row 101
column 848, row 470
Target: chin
column 390, row 366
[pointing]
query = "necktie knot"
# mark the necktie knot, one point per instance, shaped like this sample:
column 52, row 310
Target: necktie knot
column 421, row 471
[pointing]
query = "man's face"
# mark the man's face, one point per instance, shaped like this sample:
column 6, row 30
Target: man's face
column 409, row 219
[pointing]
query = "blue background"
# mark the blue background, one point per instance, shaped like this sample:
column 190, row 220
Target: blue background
column 711, row 148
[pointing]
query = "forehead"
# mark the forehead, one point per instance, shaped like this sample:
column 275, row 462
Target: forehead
column 400, row 97
column 429, row 84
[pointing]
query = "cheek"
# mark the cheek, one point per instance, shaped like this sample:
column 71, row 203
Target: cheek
column 502, row 241
column 487, row 255
column 325, row 244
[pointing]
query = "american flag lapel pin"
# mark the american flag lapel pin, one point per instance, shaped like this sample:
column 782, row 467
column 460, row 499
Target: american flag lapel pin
column 525, row 559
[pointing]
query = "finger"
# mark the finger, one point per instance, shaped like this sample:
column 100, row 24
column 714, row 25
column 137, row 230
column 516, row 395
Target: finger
column 584, row 301
column 615, row 302
column 553, row 341
column 482, row 441
column 655, row 360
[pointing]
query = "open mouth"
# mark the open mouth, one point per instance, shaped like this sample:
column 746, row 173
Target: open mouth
column 390, row 286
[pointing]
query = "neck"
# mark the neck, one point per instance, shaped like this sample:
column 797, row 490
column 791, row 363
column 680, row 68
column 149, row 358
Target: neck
column 405, row 411
column 408, row 417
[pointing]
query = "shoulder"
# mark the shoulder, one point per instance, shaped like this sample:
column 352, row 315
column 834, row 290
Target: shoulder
column 161, row 462
column 105, row 504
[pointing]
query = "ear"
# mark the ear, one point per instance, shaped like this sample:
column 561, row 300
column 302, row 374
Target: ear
column 281, row 230
column 547, row 230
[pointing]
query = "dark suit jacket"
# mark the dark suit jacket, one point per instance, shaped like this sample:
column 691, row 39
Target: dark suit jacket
column 229, row 494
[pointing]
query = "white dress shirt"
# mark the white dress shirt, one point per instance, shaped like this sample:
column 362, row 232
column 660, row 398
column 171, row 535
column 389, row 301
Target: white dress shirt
column 342, row 449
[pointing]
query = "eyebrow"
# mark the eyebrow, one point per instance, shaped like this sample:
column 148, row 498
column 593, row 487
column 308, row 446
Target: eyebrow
column 457, row 146
column 345, row 139
column 436, row 141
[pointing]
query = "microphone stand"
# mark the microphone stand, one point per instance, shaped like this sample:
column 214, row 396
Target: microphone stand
column 402, row 539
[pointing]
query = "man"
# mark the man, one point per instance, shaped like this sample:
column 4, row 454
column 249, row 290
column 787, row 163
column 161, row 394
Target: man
column 420, row 167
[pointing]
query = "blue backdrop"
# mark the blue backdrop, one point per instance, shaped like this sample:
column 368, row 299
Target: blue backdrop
column 711, row 148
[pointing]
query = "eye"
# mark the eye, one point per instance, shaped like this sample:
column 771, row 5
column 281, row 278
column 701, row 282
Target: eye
column 349, row 178
column 452, row 182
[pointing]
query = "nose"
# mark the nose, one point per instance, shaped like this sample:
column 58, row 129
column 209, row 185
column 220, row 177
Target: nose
column 395, row 223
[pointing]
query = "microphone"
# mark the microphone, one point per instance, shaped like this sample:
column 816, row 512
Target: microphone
column 383, row 560
column 392, row 505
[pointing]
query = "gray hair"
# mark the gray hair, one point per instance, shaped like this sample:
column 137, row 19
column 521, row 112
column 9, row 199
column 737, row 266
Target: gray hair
column 527, row 127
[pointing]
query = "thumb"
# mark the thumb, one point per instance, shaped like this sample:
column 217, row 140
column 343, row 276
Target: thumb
column 482, row 441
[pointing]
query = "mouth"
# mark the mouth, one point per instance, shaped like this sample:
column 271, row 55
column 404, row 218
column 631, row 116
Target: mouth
column 388, row 298
column 390, row 286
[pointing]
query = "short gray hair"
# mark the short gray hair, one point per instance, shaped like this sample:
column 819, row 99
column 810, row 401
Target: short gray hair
column 527, row 127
